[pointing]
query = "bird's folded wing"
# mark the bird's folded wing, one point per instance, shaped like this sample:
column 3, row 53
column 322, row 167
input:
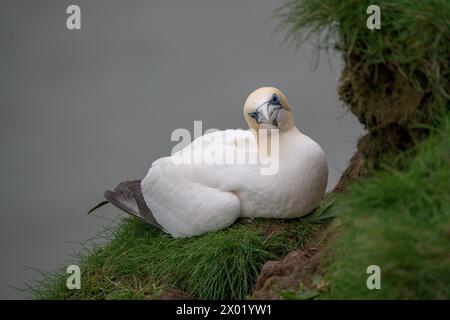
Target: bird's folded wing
column 185, row 198
column 184, row 207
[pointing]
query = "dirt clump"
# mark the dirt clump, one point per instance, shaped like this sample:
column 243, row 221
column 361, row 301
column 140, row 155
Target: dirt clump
column 298, row 268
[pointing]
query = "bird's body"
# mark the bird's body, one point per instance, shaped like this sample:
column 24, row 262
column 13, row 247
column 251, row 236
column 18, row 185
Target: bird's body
column 187, row 197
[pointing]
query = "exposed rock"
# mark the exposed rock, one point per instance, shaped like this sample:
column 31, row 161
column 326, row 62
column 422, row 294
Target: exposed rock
column 299, row 267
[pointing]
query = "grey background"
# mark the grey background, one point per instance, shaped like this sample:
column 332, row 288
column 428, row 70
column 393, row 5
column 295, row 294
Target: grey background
column 83, row 110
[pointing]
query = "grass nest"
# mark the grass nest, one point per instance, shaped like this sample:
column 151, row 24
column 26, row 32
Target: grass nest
column 140, row 261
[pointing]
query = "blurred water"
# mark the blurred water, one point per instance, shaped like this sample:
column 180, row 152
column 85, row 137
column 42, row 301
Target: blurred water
column 83, row 110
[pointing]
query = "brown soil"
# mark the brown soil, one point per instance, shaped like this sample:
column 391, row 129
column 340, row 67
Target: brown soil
column 174, row 294
column 299, row 267
column 389, row 107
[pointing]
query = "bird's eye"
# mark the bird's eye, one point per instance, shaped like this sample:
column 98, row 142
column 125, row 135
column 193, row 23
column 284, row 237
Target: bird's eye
column 254, row 115
column 274, row 99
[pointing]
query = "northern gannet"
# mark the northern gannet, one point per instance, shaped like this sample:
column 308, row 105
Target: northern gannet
column 191, row 198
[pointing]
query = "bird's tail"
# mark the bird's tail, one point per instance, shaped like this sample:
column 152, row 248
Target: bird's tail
column 128, row 197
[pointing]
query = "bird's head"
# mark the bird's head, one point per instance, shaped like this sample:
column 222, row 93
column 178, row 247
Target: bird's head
column 268, row 108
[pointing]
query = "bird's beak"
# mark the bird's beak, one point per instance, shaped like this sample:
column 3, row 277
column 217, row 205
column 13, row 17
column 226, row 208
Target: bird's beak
column 267, row 113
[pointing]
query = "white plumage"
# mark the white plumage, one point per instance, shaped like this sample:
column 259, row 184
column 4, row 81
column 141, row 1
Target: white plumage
column 189, row 199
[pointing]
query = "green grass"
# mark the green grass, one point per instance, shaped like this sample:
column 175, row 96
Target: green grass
column 140, row 261
column 400, row 221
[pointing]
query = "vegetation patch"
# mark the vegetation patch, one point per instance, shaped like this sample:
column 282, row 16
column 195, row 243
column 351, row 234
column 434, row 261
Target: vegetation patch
column 400, row 221
column 140, row 261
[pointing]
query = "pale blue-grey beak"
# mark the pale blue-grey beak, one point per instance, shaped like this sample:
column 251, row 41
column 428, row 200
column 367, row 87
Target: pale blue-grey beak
column 268, row 111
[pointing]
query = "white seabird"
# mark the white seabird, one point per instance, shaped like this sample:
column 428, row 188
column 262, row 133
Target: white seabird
column 192, row 198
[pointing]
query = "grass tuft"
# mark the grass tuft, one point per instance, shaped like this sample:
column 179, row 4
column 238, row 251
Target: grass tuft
column 414, row 35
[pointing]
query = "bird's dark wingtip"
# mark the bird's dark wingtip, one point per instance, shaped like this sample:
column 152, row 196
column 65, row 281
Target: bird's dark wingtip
column 98, row 206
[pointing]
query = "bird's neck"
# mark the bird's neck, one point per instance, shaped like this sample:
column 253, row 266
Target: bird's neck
column 272, row 140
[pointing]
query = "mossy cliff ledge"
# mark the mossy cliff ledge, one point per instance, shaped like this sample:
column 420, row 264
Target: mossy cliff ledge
column 395, row 79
